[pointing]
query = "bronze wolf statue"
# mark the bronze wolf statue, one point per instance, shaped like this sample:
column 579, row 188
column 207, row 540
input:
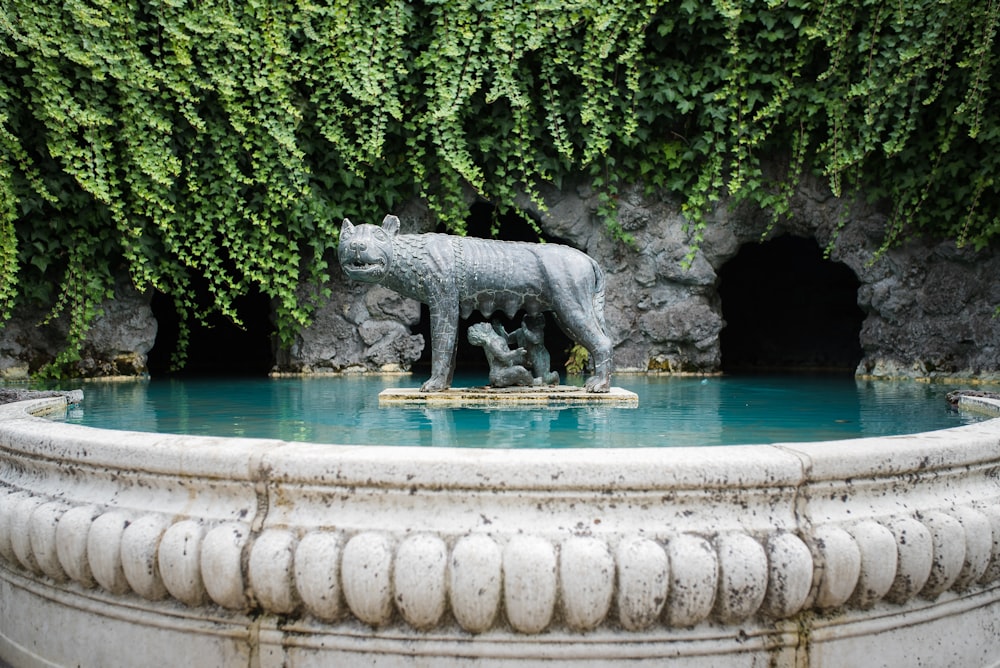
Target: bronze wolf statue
column 456, row 275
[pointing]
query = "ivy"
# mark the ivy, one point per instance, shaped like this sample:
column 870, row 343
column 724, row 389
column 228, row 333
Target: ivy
column 219, row 144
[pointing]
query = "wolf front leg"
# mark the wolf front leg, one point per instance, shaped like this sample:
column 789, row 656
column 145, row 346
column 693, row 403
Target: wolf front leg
column 444, row 341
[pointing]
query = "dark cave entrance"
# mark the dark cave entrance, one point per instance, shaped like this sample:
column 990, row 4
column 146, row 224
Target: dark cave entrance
column 788, row 308
column 222, row 348
column 513, row 227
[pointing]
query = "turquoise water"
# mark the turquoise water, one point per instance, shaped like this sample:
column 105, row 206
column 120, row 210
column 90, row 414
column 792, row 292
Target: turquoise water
column 672, row 411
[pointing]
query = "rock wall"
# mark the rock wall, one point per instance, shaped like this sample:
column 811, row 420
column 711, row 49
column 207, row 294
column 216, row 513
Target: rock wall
column 117, row 345
column 929, row 306
column 361, row 328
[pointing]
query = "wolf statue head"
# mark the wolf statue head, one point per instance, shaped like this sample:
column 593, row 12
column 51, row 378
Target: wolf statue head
column 366, row 250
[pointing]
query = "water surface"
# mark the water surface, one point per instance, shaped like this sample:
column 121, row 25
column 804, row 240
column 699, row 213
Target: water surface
column 672, row 411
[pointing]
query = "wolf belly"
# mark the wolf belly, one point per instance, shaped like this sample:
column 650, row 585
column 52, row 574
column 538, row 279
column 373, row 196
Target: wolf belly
column 492, row 277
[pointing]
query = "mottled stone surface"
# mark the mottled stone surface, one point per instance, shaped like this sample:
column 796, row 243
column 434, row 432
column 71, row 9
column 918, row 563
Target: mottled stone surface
column 360, row 328
column 929, row 306
column 508, row 396
column 11, row 394
column 117, row 344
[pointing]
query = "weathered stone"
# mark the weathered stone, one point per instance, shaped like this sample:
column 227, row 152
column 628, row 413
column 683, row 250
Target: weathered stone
column 930, row 307
column 934, row 316
column 420, row 580
column 117, row 344
column 221, row 564
column 587, row 574
column 358, row 327
column 12, row 394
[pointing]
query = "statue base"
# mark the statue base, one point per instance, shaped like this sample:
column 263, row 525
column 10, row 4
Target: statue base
column 557, row 395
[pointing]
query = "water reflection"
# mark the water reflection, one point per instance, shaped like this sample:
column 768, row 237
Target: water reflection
column 508, row 427
column 775, row 409
column 672, row 412
column 891, row 402
column 131, row 397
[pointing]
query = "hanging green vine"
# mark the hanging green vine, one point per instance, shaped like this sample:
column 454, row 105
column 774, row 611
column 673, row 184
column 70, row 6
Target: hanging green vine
column 209, row 149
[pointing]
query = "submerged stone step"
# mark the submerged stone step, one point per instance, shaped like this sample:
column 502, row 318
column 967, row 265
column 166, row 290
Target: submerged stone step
column 507, row 396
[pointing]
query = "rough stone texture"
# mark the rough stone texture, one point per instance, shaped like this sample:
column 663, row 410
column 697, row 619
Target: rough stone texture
column 360, row 328
column 117, row 345
column 10, row 395
column 932, row 314
column 929, row 306
column 661, row 317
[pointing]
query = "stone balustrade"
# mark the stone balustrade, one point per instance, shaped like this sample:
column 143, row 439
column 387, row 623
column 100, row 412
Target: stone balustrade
column 298, row 554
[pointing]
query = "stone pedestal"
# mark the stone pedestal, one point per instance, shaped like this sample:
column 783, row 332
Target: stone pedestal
column 508, row 396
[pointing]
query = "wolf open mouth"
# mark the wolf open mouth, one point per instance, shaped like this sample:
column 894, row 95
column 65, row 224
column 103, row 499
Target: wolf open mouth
column 376, row 268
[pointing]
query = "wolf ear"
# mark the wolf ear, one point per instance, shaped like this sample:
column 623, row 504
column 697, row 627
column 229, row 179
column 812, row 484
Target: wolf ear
column 391, row 225
column 346, row 227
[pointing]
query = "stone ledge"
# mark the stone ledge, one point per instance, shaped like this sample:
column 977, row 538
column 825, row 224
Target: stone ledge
column 507, row 396
column 10, row 395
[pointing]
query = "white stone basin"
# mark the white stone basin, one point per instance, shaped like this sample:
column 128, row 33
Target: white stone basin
column 135, row 549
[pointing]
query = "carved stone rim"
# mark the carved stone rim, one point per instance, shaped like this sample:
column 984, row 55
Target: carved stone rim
column 529, row 542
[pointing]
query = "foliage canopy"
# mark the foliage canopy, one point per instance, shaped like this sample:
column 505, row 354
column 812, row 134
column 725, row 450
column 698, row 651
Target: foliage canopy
column 224, row 141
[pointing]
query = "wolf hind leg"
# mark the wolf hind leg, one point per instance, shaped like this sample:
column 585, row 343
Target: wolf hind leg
column 600, row 352
column 587, row 329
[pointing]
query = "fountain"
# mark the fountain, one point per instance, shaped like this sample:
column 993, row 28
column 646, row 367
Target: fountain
column 120, row 548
